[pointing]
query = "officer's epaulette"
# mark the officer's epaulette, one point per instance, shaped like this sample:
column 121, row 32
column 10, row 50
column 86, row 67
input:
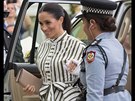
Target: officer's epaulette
column 96, row 42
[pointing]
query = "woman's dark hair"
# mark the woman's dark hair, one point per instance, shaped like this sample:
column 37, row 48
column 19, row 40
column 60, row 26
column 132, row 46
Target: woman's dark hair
column 106, row 23
column 57, row 12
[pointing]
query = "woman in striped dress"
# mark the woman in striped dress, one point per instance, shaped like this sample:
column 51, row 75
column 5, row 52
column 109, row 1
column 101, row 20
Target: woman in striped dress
column 53, row 54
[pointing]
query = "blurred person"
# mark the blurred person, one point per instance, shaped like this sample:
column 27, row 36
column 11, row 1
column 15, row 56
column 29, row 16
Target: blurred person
column 9, row 22
column 5, row 5
column 17, row 4
column 55, row 53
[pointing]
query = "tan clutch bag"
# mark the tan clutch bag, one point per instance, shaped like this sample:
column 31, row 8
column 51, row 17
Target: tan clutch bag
column 24, row 77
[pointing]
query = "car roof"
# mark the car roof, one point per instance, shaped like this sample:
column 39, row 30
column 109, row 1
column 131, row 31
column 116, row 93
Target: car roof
column 65, row 1
column 77, row 1
column 57, row 1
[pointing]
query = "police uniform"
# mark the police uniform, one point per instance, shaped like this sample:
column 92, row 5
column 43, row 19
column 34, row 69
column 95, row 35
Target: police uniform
column 104, row 68
column 51, row 58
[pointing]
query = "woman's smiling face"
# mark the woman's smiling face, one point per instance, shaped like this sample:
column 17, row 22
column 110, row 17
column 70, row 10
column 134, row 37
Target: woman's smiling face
column 49, row 25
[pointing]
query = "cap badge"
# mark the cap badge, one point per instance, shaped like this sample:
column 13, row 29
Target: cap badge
column 90, row 56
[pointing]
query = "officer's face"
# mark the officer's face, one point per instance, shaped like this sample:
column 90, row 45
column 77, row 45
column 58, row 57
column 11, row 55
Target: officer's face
column 85, row 25
column 49, row 25
column 86, row 28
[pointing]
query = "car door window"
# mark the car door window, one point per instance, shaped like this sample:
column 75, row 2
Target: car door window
column 27, row 37
column 78, row 32
column 125, row 33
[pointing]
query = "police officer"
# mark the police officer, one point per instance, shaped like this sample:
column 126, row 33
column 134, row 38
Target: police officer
column 105, row 66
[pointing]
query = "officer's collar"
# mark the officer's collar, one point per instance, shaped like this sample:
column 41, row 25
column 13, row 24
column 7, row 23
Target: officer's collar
column 96, row 42
column 105, row 35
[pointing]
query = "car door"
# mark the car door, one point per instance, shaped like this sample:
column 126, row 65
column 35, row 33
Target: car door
column 124, row 35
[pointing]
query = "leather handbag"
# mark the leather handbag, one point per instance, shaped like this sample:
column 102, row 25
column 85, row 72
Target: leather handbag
column 24, row 77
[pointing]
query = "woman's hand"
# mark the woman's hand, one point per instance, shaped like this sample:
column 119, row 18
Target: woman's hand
column 29, row 89
column 73, row 67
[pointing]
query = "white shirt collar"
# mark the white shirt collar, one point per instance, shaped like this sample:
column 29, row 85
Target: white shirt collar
column 59, row 38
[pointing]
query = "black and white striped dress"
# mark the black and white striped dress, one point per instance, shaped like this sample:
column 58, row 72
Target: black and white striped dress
column 51, row 58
